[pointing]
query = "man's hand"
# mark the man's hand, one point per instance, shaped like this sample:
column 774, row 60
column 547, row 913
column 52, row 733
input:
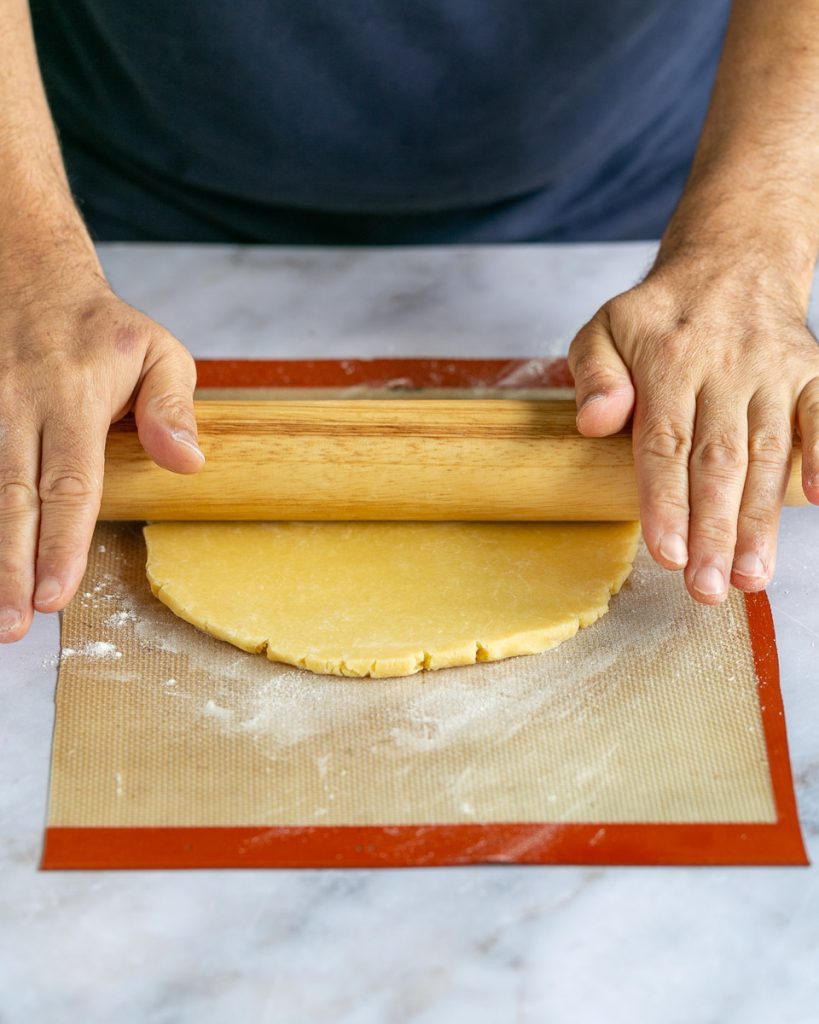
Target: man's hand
column 711, row 352
column 73, row 358
column 717, row 365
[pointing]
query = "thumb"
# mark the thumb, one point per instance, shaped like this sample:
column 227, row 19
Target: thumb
column 163, row 409
column 603, row 388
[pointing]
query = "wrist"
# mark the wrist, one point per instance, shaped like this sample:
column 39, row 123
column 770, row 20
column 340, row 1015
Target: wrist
column 41, row 251
column 739, row 242
column 37, row 210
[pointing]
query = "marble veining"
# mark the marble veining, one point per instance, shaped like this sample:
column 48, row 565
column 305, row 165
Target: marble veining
column 482, row 944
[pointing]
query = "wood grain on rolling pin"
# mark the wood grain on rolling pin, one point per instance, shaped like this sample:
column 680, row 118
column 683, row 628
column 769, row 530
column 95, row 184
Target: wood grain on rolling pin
column 396, row 459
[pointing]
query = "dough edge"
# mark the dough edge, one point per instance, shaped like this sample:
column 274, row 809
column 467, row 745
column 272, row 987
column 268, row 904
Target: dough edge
column 496, row 649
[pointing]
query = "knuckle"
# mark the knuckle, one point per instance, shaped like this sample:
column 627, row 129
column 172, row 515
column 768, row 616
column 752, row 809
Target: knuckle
column 769, row 449
column 580, row 352
column 674, row 345
column 172, row 405
column 716, row 530
column 810, row 410
column 72, row 485
column 668, row 505
column 593, row 376
column 12, row 566
column 666, row 440
column 63, row 539
column 758, row 518
column 587, row 364
column 720, row 455
column 620, row 309
column 671, row 347
column 586, row 343
column 17, row 496
column 56, row 551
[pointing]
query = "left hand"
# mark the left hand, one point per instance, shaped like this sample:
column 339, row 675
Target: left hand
column 712, row 357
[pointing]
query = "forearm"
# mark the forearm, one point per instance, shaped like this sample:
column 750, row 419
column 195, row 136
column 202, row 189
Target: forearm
column 754, row 182
column 36, row 206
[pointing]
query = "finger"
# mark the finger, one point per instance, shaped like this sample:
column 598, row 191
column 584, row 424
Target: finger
column 19, row 513
column 603, row 387
column 164, row 409
column 70, row 487
column 663, row 427
column 770, row 439
column 807, row 414
column 716, row 480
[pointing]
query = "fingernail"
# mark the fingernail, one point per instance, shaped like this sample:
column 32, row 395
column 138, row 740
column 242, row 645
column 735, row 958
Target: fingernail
column 750, row 565
column 186, row 437
column 48, row 590
column 709, row 581
column 10, row 619
column 673, row 548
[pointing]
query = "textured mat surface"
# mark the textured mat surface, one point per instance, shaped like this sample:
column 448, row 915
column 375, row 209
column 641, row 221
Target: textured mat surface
column 650, row 717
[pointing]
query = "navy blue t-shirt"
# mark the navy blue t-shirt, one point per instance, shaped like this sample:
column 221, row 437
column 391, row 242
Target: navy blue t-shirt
column 378, row 121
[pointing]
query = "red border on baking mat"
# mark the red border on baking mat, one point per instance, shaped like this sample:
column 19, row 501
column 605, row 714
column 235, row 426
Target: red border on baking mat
column 409, row 373
column 612, row 843
column 779, row 843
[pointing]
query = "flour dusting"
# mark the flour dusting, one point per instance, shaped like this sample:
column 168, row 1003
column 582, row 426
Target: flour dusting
column 93, row 649
column 541, row 738
column 118, row 619
column 216, row 710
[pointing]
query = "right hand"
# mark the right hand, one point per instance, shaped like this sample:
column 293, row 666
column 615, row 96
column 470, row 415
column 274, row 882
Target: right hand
column 73, row 359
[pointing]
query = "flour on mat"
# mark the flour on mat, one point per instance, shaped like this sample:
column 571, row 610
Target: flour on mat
column 282, row 706
column 216, row 710
column 118, row 619
column 93, row 649
column 453, row 725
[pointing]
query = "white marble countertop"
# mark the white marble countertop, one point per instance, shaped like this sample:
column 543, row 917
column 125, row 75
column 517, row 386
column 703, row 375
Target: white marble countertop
column 483, row 944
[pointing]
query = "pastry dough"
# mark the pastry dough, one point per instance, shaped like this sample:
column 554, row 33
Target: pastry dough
column 389, row 599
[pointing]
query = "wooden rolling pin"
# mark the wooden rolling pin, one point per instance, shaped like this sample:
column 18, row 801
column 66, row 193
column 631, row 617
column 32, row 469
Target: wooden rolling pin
column 392, row 459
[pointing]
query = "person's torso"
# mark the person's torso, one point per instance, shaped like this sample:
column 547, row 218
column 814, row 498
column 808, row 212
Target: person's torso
column 383, row 105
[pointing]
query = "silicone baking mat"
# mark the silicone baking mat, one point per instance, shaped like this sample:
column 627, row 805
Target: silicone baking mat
column 654, row 737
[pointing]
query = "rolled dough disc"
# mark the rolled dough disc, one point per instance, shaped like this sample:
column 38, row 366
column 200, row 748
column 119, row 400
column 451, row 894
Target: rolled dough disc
column 389, row 599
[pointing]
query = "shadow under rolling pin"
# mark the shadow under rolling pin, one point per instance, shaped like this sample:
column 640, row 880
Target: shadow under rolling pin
column 462, row 459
